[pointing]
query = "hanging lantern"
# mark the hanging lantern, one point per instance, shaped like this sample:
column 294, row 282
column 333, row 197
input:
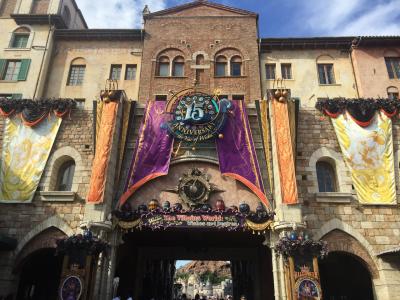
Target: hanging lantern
column 293, row 236
column 220, row 136
column 285, row 93
column 220, row 205
column 277, row 94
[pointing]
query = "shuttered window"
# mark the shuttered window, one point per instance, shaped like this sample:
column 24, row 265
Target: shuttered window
column 14, row 69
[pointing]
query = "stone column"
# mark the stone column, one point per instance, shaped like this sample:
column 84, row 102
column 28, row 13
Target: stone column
column 278, row 270
column 109, row 266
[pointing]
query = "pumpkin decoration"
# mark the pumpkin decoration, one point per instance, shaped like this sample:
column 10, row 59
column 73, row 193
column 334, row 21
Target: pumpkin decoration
column 153, row 204
column 244, row 208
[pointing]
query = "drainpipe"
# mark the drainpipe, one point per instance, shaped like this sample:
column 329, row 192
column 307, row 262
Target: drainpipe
column 352, row 64
column 44, row 54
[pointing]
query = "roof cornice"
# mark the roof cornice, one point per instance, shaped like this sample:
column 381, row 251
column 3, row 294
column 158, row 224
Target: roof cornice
column 100, row 34
column 200, row 3
column 269, row 44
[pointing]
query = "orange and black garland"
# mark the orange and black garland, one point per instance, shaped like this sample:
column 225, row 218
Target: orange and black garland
column 360, row 110
column 32, row 112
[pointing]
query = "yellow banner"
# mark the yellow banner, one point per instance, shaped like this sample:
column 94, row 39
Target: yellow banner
column 368, row 153
column 24, row 156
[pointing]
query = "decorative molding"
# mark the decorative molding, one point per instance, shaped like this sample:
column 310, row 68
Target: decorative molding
column 57, row 196
column 334, row 197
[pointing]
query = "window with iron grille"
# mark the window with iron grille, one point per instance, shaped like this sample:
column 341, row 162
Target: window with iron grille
column 325, row 74
column 393, row 67
column 115, row 72
column 286, row 70
column 270, row 71
column 76, row 74
column 130, row 72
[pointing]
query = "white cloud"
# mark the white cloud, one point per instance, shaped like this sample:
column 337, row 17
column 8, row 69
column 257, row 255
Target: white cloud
column 351, row 17
column 117, row 14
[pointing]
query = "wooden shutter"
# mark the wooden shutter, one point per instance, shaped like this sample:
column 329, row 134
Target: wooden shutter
column 2, row 66
column 23, row 72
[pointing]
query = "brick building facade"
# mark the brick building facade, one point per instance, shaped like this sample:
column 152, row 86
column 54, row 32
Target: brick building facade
column 215, row 49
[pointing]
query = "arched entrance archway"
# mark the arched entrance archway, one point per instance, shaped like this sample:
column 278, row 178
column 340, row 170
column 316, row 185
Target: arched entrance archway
column 40, row 275
column 345, row 277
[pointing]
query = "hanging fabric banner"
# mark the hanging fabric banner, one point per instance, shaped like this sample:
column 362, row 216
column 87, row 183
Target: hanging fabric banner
column 103, row 148
column 284, row 149
column 24, row 156
column 236, row 152
column 266, row 139
column 368, row 153
column 152, row 154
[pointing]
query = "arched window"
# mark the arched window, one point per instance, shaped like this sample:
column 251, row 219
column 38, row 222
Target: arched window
column 163, row 66
column 40, row 7
column 76, row 72
column 236, row 66
column 178, row 66
column 220, row 66
column 326, row 177
column 65, row 176
column 20, row 38
column 200, row 59
column 393, row 92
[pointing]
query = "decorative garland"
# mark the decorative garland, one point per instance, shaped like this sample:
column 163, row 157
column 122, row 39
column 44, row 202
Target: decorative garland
column 300, row 244
column 361, row 110
column 32, row 112
column 85, row 244
column 156, row 218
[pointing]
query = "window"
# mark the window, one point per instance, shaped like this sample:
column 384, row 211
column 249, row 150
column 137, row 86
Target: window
column 80, row 103
column 220, row 66
column 76, row 74
column 20, row 38
column 393, row 93
column 130, row 72
column 14, row 69
column 178, row 67
column 393, row 67
column 65, row 176
column 236, row 66
column 66, row 14
column 115, row 72
column 161, row 97
column 325, row 74
column 326, row 177
column 163, row 66
column 270, row 71
column 237, row 97
column 286, row 71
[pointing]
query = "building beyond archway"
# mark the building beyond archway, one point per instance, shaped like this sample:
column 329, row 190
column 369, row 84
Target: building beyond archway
column 344, row 277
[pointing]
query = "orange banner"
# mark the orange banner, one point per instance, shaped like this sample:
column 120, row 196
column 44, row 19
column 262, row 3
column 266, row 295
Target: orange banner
column 285, row 152
column 103, row 149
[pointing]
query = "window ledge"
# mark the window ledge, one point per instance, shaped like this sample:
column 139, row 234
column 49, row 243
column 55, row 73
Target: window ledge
column 17, row 49
column 57, row 196
column 242, row 76
column 333, row 84
column 8, row 81
column 171, row 77
column 333, row 197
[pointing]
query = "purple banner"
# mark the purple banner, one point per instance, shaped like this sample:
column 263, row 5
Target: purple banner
column 152, row 152
column 236, row 152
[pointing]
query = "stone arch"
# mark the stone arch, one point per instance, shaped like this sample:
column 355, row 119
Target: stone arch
column 166, row 47
column 344, row 238
column 324, row 58
column 342, row 177
column 24, row 28
column 56, row 160
column 78, row 61
column 243, row 52
column 228, row 52
column 205, row 55
column 40, row 237
column 340, row 241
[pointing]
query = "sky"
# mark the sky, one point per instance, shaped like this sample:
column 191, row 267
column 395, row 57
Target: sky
column 277, row 18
